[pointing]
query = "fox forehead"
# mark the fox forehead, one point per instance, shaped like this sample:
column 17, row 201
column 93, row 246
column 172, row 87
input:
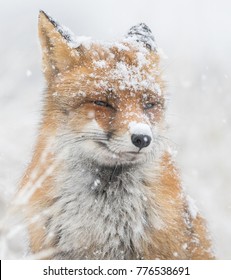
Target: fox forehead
column 110, row 69
column 71, row 64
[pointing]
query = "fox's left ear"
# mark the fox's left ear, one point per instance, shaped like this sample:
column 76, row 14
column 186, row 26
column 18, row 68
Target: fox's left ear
column 57, row 54
column 142, row 33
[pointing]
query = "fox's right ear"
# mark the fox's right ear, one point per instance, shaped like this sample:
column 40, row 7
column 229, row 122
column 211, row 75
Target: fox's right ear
column 58, row 56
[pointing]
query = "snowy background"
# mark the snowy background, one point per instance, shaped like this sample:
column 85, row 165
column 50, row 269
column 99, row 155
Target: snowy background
column 196, row 38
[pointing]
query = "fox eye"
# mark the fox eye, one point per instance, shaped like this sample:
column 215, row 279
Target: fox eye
column 152, row 105
column 149, row 105
column 102, row 103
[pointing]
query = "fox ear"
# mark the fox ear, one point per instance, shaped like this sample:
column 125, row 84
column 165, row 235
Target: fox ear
column 58, row 56
column 142, row 33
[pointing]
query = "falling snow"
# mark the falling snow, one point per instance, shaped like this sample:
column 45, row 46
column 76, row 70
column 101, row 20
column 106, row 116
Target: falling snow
column 199, row 111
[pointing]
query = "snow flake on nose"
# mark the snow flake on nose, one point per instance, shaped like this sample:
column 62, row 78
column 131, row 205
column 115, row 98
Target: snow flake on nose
column 145, row 139
column 139, row 128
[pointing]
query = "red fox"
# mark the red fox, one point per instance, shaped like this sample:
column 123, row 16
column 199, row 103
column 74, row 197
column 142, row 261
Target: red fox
column 102, row 183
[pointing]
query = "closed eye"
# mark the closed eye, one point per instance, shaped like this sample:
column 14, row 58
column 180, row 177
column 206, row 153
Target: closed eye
column 149, row 105
column 103, row 104
column 153, row 105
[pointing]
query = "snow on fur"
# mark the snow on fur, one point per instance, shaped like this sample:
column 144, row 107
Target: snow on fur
column 131, row 77
column 142, row 33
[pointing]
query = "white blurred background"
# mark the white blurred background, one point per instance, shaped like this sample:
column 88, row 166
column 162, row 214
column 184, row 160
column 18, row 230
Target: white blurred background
column 196, row 38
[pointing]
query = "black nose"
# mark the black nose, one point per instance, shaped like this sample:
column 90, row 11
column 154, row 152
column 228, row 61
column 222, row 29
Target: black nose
column 141, row 140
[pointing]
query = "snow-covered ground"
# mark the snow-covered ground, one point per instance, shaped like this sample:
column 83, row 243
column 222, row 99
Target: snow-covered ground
column 196, row 38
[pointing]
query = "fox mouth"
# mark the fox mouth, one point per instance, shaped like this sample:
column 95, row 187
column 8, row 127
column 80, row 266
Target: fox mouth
column 125, row 156
column 134, row 153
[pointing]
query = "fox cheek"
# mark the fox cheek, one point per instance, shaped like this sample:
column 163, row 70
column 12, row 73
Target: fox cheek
column 104, row 119
column 155, row 116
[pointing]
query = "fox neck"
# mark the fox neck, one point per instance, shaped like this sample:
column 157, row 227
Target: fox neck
column 105, row 210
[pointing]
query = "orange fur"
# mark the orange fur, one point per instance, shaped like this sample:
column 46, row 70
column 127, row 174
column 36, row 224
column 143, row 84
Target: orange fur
column 69, row 71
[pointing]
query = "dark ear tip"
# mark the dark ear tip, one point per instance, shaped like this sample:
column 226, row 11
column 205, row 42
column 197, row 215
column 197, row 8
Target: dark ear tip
column 43, row 14
column 140, row 27
column 142, row 33
column 63, row 31
column 43, row 17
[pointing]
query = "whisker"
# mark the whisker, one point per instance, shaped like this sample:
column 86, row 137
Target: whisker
column 92, row 131
column 113, row 173
column 77, row 140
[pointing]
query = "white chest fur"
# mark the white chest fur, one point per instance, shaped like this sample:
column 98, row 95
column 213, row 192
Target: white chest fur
column 101, row 214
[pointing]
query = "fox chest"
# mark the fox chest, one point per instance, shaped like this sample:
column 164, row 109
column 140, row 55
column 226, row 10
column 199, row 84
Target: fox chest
column 99, row 219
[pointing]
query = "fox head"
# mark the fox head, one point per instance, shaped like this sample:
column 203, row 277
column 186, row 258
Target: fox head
column 105, row 100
